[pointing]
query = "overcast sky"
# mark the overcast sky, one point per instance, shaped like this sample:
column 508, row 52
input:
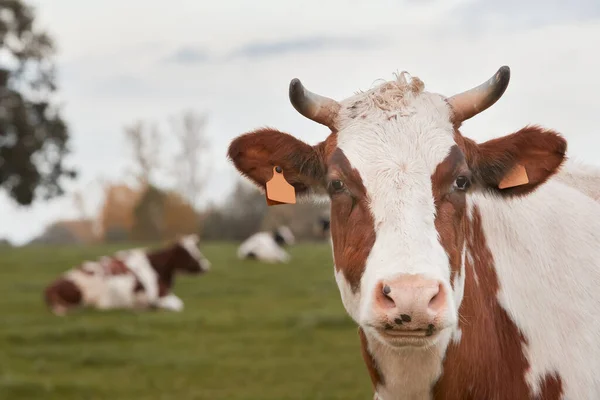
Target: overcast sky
column 123, row 60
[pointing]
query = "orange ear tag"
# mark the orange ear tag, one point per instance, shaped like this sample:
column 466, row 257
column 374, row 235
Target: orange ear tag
column 279, row 191
column 516, row 177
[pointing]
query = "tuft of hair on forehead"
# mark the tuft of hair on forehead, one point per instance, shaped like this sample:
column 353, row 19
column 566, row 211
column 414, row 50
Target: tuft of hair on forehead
column 390, row 95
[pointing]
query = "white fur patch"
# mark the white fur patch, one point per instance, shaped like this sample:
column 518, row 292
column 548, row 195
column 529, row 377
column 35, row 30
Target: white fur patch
column 138, row 262
column 459, row 279
column 103, row 291
column 585, row 178
column 170, row 302
column 350, row 301
column 408, row 372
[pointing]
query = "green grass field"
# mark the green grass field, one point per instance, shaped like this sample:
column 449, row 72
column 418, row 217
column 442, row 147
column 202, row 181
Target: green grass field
column 249, row 331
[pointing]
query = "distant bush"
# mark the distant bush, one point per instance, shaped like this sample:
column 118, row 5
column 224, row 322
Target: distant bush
column 239, row 217
column 246, row 212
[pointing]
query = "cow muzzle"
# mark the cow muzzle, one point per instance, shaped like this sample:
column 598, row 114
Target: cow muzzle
column 409, row 309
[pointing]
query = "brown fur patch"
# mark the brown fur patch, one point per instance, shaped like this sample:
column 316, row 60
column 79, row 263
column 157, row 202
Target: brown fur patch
column 450, row 207
column 167, row 261
column 62, row 293
column 115, row 266
column 352, row 225
column 551, row 388
column 255, row 154
column 163, row 289
column 372, row 367
column 139, row 287
column 540, row 151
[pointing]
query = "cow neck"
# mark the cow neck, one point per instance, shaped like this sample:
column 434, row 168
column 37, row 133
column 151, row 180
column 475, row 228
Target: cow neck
column 162, row 262
column 406, row 373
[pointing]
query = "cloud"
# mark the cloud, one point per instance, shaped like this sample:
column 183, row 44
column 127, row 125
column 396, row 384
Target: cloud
column 263, row 49
column 302, row 45
column 516, row 14
column 189, row 55
column 122, row 85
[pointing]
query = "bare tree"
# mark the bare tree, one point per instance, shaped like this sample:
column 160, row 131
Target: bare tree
column 191, row 167
column 79, row 204
column 145, row 143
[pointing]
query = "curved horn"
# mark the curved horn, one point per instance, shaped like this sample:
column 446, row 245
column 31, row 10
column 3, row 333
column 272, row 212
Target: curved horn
column 318, row 108
column 472, row 102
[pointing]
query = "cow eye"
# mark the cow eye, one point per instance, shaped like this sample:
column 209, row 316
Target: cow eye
column 337, row 185
column 462, row 183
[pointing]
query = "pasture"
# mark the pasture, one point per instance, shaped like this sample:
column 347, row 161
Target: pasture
column 249, row 331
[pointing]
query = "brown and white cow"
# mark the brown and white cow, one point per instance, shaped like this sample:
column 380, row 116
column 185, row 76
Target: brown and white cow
column 129, row 279
column 471, row 273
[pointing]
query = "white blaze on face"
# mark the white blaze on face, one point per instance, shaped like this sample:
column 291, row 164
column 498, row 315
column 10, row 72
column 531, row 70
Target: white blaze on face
column 396, row 152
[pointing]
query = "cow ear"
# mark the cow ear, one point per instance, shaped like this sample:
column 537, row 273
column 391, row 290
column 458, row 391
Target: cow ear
column 256, row 153
column 518, row 163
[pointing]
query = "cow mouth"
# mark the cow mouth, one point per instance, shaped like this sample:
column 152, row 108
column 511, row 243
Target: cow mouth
column 422, row 333
column 414, row 337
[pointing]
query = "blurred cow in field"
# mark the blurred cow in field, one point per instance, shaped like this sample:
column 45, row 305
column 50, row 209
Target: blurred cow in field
column 268, row 246
column 131, row 279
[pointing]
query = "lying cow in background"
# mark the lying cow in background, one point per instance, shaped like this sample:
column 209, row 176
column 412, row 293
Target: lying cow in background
column 268, row 246
column 131, row 279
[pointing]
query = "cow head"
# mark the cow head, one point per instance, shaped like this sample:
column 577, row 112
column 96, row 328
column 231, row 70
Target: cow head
column 188, row 258
column 399, row 174
column 283, row 236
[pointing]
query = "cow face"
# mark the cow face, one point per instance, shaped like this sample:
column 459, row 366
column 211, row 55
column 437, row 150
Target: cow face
column 398, row 174
column 190, row 259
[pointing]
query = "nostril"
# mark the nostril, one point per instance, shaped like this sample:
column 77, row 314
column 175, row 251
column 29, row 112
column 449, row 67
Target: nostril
column 437, row 301
column 386, row 300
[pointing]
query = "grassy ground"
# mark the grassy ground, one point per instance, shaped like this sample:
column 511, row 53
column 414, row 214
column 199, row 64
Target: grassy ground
column 249, row 331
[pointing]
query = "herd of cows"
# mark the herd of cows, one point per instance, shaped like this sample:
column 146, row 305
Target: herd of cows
column 471, row 269
column 144, row 279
